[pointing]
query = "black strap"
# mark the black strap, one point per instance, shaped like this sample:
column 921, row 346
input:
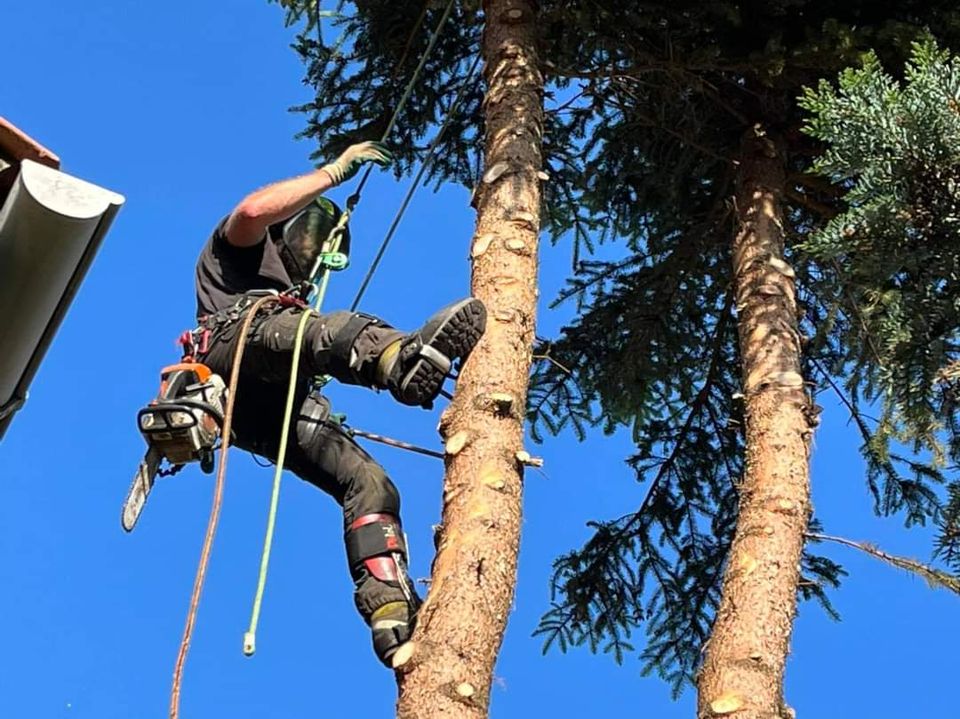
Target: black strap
column 229, row 317
column 376, row 539
column 314, row 413
column 342, row 346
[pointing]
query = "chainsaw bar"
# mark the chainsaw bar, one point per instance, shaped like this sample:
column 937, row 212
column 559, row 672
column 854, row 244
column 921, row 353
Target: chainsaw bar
column 140, row 489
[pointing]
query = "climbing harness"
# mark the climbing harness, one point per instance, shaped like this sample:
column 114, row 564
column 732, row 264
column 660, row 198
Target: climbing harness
column 183, row 423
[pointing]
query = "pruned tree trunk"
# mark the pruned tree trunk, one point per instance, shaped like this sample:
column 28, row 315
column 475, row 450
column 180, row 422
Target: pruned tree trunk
column 447, row 670
column 742, row 673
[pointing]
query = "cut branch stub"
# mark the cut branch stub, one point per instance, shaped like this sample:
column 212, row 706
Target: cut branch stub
column 726, row 703
column 785, row 506
column 504, row 281
column 495, row 173
column 525, row 219
column 482, row 244
column 457, row 442
column 788, row 380
column 516, row 245
column 499, row 403
column 493, row 481
column 747, row 565
column 782, row 267
column 403, row 655
column 525, row 458
column 775, row 380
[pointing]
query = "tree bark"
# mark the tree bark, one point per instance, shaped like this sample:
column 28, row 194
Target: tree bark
column 742, row 672
column 447, row 668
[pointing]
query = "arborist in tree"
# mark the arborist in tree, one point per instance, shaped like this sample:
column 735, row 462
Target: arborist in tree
column 269, row 242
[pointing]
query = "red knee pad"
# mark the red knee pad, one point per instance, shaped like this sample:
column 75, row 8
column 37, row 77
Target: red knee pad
column 373, row 541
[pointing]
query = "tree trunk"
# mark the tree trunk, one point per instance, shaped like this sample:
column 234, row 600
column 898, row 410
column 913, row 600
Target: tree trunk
column 447, row 669
column 742, row 673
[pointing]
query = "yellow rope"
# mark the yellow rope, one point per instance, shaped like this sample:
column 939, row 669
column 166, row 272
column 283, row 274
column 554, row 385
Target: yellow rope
column 250, row 638
column 331, row 244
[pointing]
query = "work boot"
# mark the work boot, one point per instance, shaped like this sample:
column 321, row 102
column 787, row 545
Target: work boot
column 392, row 626
column 413, row 367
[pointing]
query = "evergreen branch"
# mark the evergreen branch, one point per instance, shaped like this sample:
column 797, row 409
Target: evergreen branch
column 855, row 413
column 409, row 43
column 882, row 463
column 647, row 121
column 580, row 235
column 822, row 210
column 933, row 576
column 855, row 308
column 721, row 440
column 817, row 183
column 561, row 381
column 599, row 277
column 647, row 66
column 547, row 358
column 698, row 404
column 568, row 103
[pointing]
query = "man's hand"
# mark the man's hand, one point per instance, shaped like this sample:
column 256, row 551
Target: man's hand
column 355, row 156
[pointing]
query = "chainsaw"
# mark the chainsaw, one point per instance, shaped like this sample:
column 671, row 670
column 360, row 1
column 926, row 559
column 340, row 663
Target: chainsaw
column 182, row 425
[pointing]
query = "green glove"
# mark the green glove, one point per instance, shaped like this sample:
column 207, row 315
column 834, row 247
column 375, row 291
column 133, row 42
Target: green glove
column 349, row 163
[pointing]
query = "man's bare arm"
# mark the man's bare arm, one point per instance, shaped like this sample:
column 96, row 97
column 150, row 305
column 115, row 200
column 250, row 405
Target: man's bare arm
column 248, row 223
column 249, row 220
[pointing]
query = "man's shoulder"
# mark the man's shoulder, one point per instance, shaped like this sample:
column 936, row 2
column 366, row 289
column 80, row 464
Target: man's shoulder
column 218, row 235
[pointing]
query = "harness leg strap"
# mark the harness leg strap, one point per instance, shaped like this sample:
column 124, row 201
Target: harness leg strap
column 349, row 360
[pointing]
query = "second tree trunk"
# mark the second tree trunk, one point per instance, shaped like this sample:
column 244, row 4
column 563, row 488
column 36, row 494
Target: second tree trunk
column 743, row 667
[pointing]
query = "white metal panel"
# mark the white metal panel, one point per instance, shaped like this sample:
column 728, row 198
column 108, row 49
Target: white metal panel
column 50, row 227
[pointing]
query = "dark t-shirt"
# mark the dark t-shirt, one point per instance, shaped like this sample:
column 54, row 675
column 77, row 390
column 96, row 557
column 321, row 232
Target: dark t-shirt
column 224, row 272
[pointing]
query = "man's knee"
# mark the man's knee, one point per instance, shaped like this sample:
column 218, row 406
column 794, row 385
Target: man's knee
column 362, row 485
column 348, row 344
column 371, row 492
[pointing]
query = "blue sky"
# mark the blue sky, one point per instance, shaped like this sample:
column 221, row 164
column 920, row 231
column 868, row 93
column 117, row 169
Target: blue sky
column 182, row 107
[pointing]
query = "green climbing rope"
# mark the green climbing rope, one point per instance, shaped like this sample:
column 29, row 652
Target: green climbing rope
column 250, row 638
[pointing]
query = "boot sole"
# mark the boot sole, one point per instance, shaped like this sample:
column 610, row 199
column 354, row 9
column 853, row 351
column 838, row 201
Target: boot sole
column 454, row 339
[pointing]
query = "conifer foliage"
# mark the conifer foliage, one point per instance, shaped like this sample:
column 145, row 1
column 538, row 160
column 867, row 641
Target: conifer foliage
column 360, row 56
column 647, row 105
column 893, row 146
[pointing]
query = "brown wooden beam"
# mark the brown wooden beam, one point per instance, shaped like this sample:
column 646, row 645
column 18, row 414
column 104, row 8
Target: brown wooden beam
column 16, row 145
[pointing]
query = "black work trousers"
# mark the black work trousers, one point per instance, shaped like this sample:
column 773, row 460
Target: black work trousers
column 323, row 455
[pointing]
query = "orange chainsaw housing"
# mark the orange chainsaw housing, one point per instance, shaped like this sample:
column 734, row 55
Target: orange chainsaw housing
column 201, row 370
